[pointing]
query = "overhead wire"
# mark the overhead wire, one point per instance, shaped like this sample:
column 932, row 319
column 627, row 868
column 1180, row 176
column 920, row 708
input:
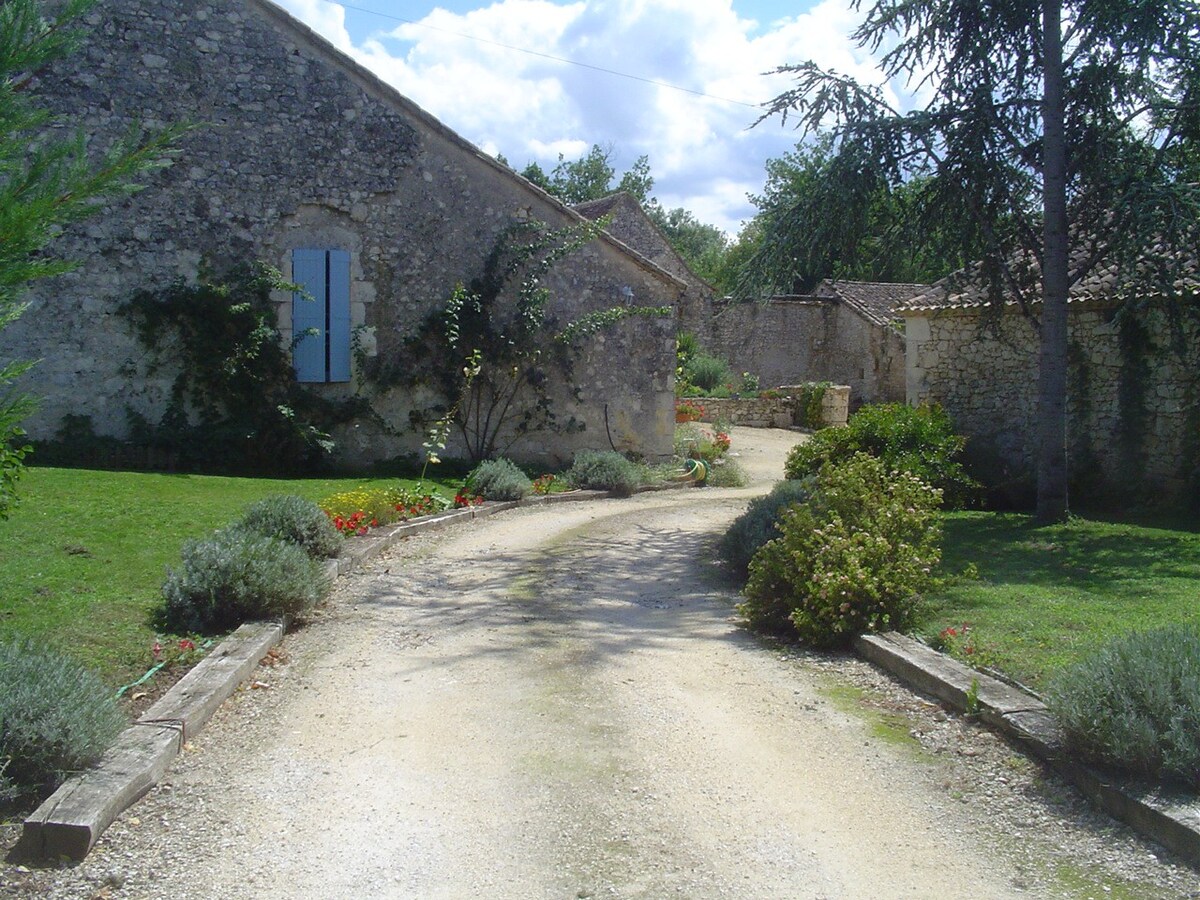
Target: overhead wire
column 562, row 59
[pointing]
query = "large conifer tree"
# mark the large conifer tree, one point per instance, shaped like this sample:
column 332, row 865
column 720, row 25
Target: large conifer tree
column 1054, row 130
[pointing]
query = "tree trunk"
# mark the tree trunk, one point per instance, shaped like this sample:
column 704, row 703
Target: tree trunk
column 1052, row 363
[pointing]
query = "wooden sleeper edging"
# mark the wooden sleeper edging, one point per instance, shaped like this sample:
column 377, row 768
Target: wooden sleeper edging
column 70, row 821
column 1171, row 818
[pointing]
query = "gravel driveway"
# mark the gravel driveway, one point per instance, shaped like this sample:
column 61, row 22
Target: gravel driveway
column 558, row 702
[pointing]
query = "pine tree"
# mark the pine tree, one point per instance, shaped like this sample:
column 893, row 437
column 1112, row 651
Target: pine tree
column 1057, row 130
column 45, row 184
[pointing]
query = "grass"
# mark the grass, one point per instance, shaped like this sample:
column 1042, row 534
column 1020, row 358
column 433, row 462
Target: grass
column 1047, row 595
column 84, row 555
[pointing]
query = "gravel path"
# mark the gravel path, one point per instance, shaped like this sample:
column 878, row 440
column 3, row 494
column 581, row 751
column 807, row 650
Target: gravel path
column 558, row 702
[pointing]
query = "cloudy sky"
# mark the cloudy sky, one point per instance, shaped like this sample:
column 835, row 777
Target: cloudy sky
column 534, row 78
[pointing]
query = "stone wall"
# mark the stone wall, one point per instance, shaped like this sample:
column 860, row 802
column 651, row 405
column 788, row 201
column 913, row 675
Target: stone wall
column 777, row 412
column 296, row 146
column 787, row 341
column 1132, row 415
column 629, row 224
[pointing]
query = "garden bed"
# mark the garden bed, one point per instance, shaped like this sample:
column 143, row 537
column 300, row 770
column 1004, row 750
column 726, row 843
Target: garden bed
column 83, row 558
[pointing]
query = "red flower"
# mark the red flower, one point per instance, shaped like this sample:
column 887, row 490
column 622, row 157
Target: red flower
column 185, row 644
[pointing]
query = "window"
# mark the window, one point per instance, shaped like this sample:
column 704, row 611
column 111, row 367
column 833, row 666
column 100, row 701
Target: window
column 321, row 351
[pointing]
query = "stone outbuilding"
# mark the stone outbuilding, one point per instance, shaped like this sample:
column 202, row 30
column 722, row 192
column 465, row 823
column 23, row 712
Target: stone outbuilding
column 627, row 222
column 1133, row 390
column 843, row 332
column 303, row 159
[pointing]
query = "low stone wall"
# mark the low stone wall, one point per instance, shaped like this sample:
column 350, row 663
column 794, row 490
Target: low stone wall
column 778, row 412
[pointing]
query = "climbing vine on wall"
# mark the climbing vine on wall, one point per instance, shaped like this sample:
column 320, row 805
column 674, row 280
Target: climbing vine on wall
column 809, row 403
column 497, row 328
column 235, row 404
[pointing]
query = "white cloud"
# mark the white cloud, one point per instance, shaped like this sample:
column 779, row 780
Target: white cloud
column 326, row 19
column 532, row 107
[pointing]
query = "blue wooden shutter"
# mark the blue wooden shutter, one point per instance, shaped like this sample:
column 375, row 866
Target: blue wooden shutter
column 339, row 315
column 308, row 350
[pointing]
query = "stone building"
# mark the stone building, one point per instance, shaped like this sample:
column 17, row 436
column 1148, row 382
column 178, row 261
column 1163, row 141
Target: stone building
column 303, row 159
column 628, row 223
column 1133, row 401
column 844, row 332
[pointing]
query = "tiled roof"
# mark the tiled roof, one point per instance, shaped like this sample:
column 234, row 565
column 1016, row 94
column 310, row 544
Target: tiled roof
column 874, row 300
column 968, row 289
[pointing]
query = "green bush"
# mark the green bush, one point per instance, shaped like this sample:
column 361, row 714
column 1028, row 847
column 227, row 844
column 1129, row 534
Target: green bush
column 726, row 472
column 1135, row 704
column 297, row 521
column 55, row 718
column 707, row 372
column 499, row 479
column 919, row 440
column 856, row 557
column 753, row 528
column 237, row 576
column 603, row 470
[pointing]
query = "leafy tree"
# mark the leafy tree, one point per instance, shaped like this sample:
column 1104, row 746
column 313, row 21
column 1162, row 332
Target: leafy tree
column 591, row 177
column 45, row 183
column 535, row 173
column 702, row 246
column 875, row 238
column 1053, row 133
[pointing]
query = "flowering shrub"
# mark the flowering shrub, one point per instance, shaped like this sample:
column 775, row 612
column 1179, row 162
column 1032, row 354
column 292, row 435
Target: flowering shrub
column 920, row 440
column 543, row 484
column 857, row 556
column 957, row 640
column 694, row 442
column 686, row 411
column 357, row 512
column 354, row 524
column 182, row 651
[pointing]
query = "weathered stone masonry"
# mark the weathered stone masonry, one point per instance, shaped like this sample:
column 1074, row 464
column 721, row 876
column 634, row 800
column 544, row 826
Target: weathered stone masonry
column 793, row 339
column 296, row 146
column 1132, row 423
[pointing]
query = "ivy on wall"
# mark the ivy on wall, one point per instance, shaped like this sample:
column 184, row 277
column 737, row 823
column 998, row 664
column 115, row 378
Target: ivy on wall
column 235, row 404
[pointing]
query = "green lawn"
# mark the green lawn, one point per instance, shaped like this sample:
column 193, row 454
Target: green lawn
column 82, row 558
column 1047, row 595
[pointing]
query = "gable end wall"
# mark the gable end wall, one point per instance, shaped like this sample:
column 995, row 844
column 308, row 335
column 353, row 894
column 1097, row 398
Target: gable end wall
column 295, row 149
